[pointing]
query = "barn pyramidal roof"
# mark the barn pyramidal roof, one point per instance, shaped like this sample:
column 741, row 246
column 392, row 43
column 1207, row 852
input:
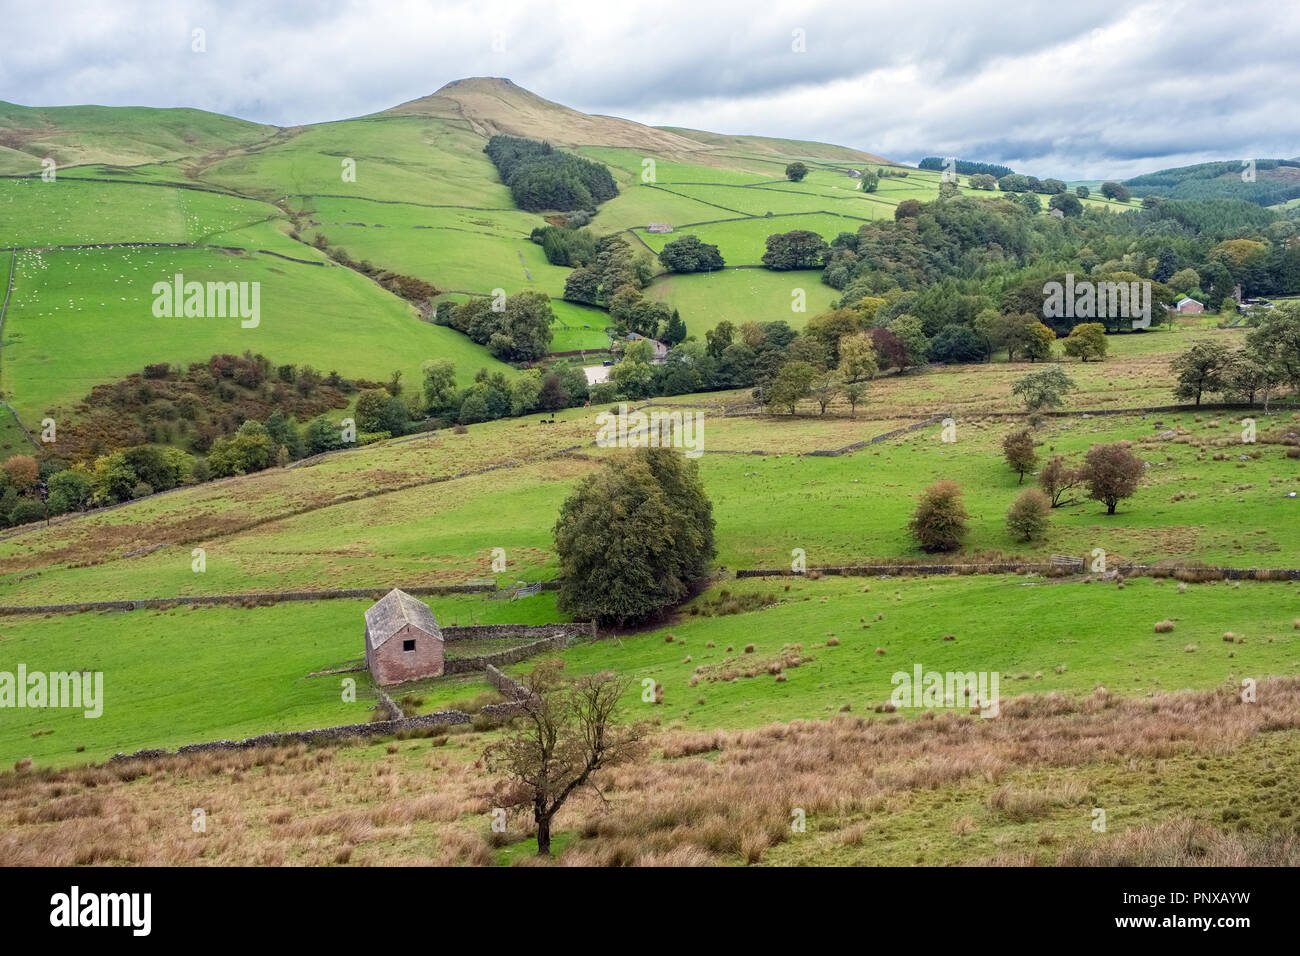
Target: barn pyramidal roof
column 395, row 610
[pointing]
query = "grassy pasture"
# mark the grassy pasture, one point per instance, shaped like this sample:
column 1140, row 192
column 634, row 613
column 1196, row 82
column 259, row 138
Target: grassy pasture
column 413, row 159
column 742, row 295
column 628, row 165
column 1022, row 628
column 80, row 317
column 742, row 242
column 125, row 136
column 69, row 212
column 840, row 510
column 192, row 674
column 638, row 206
column 462, row 250
column 1180, row 787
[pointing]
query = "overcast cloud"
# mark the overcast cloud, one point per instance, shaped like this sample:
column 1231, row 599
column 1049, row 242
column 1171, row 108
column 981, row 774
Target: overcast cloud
column 1076, row 90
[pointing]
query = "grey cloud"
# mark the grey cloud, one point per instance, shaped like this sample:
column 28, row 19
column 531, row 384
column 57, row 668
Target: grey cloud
column 1071, row 90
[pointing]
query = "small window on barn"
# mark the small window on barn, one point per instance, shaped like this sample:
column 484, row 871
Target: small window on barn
column 408, row 645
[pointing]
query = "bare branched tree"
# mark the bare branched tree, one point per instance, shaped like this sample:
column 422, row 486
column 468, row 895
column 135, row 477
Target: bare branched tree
column 568, row 730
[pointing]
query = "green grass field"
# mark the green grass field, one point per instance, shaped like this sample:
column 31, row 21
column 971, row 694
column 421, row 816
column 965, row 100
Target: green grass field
column 1023, row 628
column 81, row 317
column 742, row 242
column 461, row 250
column 72, row 212
column 235, row 673
column 843, row 510
column 742, row 295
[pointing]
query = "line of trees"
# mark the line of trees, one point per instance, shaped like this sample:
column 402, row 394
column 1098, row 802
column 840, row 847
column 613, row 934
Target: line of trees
column 965, row 167
column 1109, row 473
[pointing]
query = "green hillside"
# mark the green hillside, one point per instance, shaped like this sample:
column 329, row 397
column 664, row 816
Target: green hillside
column 115, row 135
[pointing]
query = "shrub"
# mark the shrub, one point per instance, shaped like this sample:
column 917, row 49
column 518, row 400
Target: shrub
column 69, row 491
column 27, row 510
column 939, row 521
column 1087, row 340
column 1027, row 517
column 23, row 472
column 1042, row 389
column 1018, row 449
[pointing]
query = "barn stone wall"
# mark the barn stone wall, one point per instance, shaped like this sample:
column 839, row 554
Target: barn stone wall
column 532, row 631
column 461, row 665
column 391, row 665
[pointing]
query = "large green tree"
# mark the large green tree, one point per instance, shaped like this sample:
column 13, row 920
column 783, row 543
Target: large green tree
column 634, row 537
column 690, row 254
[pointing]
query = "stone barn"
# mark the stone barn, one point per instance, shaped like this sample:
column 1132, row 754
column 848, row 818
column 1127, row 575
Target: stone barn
column 403, row 641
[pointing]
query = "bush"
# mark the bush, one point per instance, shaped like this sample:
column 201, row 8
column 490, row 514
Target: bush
column 1086, row 341
column 68, row 491
column 939, row 521
column 1042, row 389
column 27, row 510
column 1057, row 477
column 1027, row 517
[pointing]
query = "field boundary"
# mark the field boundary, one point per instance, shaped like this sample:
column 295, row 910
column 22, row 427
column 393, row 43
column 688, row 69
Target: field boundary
column 1029, row 567
column 516, row 694
column 4, row 310
column 263, row 598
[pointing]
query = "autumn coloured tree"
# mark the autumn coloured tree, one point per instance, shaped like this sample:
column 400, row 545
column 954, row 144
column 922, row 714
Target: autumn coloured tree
column 1018, row 449
column 939, row 521
column 1057, row 477
column 1112, row 473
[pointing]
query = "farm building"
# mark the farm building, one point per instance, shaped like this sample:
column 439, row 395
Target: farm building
column 1189, row 306
column 660, row 349
column 658, row 227
column 403, row 641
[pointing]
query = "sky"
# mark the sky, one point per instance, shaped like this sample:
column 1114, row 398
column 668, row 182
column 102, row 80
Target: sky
column 1077, row 90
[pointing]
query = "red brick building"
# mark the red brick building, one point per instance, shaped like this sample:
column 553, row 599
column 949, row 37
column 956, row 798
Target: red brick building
column 403, row 641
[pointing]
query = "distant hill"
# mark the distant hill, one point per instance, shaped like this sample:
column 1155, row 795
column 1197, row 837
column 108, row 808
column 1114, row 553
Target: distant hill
column 779, row 147
column 488, row 105
column 1276, row 181
column 114, row 135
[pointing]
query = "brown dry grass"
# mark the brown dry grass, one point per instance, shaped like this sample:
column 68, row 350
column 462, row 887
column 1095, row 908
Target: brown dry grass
column 1187, row 843
column 704, row 798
